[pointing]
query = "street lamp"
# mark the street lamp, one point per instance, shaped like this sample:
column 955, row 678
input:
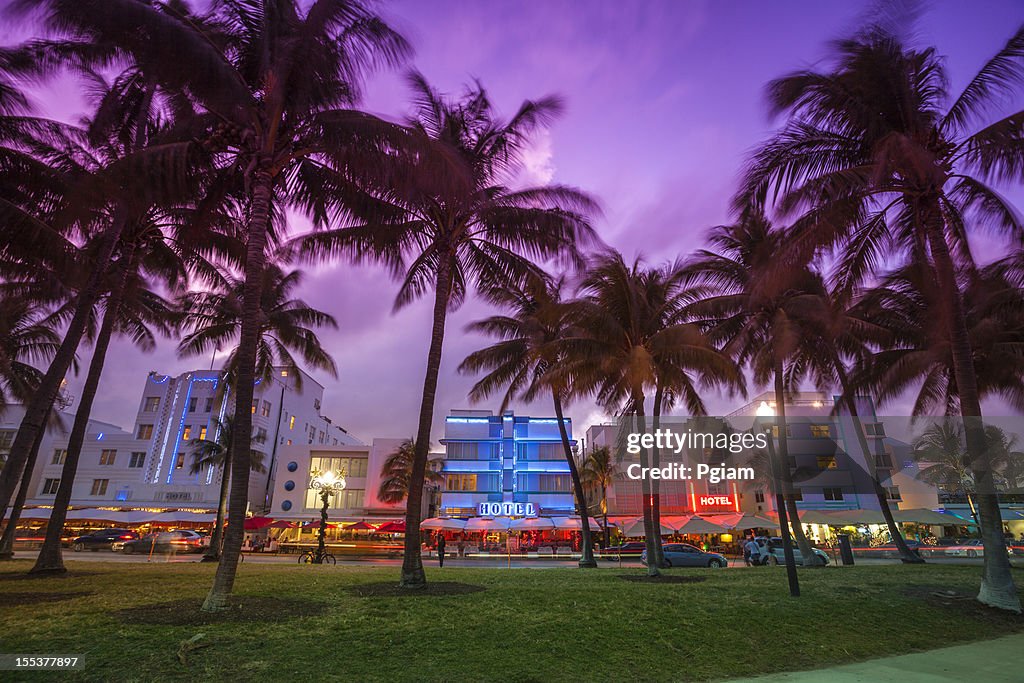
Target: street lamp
column 326, row 484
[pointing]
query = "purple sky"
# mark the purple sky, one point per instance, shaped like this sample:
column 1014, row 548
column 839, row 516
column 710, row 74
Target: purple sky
column 663, row 101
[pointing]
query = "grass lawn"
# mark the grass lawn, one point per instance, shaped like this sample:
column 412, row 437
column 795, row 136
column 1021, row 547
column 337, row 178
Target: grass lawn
column 349, row 623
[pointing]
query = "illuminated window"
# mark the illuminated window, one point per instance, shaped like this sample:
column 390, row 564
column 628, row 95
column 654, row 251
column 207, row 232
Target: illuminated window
column 555, row 483
column 152, row 404
column 284, row 373
column 826, row 462
column 144, row 432
column 291, row 422
column 460, row 482
column 821, row 431
column 107, row 457
column 179, row 461
column 833, row 494
column 289, row 442
column 255, row 403
column 202, row 432
column 50, row 487
column 775, row 431
column 99, row 487
column 265, row 409
column 137, row 459
column 59, row 456
column 186, row 433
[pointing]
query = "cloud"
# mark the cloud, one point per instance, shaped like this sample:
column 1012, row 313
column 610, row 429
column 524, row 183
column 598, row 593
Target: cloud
column 538, row 165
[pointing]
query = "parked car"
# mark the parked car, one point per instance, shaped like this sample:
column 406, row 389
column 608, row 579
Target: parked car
column 686, row 555
column 180, row 540
column 631, row 548
column 103, row 539
column 972, row 547
column 773, row 552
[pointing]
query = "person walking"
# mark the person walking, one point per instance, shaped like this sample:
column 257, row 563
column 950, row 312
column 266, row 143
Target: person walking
column 751, row 552
column 440, row 549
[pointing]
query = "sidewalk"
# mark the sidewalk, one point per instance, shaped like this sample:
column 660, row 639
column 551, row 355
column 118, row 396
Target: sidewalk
column 990, row 661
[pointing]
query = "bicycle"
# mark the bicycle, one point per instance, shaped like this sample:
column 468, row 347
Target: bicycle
column 310, row 557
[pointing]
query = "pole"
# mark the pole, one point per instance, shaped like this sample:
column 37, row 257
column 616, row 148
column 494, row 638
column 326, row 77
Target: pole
column 321, row 550
column 780, row 503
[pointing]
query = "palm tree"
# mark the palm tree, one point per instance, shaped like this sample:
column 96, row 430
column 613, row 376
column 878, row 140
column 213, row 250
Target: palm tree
column 941, row 449
column 633, row 339
column 133, row 309
column 397, row 473
column 216, row 453
column 888, row 166
column 598, row 471
column 532, row 344
column 460, row 228
column 755, row 311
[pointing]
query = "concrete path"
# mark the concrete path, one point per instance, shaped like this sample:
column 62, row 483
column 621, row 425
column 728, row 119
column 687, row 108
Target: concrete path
column 987, row 661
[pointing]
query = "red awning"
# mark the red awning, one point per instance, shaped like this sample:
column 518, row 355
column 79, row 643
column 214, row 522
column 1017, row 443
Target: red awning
column 360, row 526
column 392, row 528
column 282, row 524
column 254, row 523
column 316, row 525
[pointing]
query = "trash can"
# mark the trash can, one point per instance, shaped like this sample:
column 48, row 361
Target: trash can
column 845, row 551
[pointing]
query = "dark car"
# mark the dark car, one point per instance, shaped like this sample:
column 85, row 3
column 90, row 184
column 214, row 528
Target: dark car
column 686, row 555
column 633, row 548
column 104, row 539
column 179, row 541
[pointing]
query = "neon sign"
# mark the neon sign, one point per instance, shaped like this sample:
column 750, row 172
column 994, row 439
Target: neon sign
column 708, row 501
column 506, row 510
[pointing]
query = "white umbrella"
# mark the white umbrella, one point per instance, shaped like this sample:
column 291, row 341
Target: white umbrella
column 699, row 525
column 488, row 524
column 34, row 513
column 636, row 528
column 754, row 522
column 921, row 516
column 533, row 523
column 573, row 523
column 442, row 523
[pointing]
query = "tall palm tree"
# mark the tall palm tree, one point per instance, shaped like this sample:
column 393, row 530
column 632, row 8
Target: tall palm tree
column 216, row 453
column 888, row 165
column 598, row 470
column 631, row 340
column 272, row 84
column 941, row 449
column 755, row 311
column 459, row 229
column 396, row 473
column 133, row 309
column 532, row 344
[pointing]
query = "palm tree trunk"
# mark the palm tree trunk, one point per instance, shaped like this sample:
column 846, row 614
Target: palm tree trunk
column 212, row 553
column 7, row 540
column 587, row 545
column 659, row 398
column 997, row 585
column 652, row 534
column 38, row 408
column 51, row 559
column 413, row 575
column 255, row 263
column 906, row 554
column 604, row 513
column 809, row 559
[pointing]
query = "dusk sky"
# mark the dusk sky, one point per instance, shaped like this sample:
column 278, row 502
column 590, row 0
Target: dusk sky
column 663, row 99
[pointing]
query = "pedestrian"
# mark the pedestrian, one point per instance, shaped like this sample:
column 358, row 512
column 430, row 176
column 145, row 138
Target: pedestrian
column 752, row 552
column 440, row 549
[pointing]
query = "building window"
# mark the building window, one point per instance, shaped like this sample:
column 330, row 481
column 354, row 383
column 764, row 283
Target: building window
column 186, row 433
column 473, row 450
column 460, row 482
column 893, row 493
column 554, row 483
column 833, row 494
column 59, row 456
column 883, row 460
column 179, row 461
column 265, row 409
column 775, row 431
column 876, row 429
column 255, row 404
column 316, row 404
column 202, row 433
column 758, row 496
column 193, row 403
column 289, row 442
column 152, row 404
column 137, row 459
column 826, row 462
column 99, row 487
column 107, row 456
column 821, row 431
column 144, row 432
column 291, row 422
column 261, row 435
column 284, row 373
column 209, row 405
column 50, row 487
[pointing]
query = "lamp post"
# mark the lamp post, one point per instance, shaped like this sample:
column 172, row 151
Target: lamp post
column 326, row 484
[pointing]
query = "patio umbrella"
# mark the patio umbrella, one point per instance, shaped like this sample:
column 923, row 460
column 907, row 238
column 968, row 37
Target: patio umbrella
column 573, row 523
column 442, row 523
column 254, row 523
column 636, row 528
column 699, row 525
column 392, row 528
column 359, row 526
column 861, row 516
column 755, row 522
column 920, row 516
column 533, row 523
column 488, row 524
column 821, row 517
column 956, row 519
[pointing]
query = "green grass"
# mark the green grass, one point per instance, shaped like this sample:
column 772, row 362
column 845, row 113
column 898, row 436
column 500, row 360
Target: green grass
column 343, row 623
